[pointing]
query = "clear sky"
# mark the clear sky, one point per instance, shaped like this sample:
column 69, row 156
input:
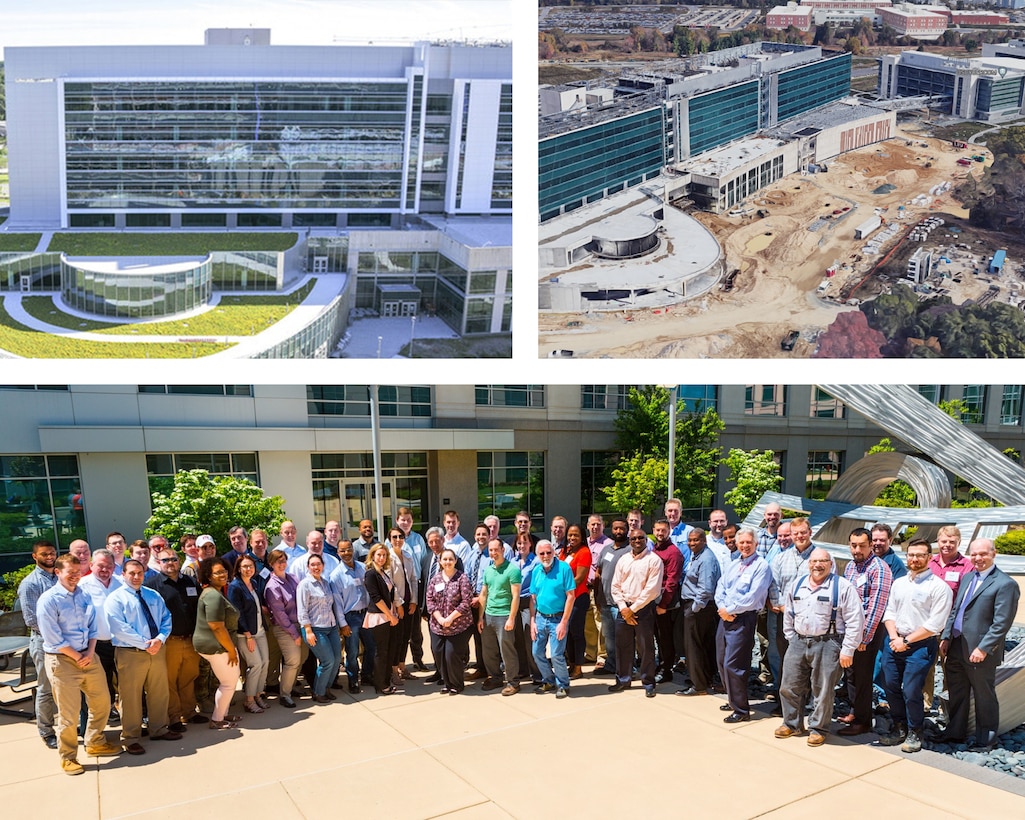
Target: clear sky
column 292, row 22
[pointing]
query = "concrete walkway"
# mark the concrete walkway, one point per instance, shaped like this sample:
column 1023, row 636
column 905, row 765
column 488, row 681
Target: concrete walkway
column 481, row 755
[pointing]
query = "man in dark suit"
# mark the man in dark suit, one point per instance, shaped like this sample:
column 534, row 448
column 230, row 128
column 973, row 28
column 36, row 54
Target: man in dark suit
column 973, row 642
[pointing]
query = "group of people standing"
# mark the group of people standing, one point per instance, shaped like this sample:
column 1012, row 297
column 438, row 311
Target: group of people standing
column 174, row 632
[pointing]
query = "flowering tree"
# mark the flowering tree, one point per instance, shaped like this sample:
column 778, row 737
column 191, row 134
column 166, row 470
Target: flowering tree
column 752, row 473
column 201, row 503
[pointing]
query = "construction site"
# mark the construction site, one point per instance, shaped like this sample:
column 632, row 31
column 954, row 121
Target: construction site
column 811, row 246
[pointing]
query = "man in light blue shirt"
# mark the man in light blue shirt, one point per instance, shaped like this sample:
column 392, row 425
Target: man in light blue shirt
column 739, row 595
column 140, row 623
column 41, row 579
column 67, row 625
column 351, row 600
column 552, row 586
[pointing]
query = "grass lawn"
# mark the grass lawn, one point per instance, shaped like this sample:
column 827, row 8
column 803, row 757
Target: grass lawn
column 168, row 244
column 234, row 316
column 486, row 347
column 961, row 131
column 19, row 241
column 23, row 341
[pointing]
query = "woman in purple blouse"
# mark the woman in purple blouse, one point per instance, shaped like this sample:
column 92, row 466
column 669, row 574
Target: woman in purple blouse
column 448, row 606
column 280, row 596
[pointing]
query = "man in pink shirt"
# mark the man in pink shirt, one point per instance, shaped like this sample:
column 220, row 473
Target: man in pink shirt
column 636, row 588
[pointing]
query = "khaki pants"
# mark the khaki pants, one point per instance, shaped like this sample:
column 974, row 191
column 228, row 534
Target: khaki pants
column 137, row 670
column 182, row 671
column 69, row 684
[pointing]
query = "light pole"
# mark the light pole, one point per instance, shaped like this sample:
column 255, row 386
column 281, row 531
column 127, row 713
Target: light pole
column 672, row 439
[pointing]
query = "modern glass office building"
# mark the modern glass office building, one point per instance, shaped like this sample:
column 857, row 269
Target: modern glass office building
column 591, row 161
column 589, row 152
column 233, row 135
column 109, row 288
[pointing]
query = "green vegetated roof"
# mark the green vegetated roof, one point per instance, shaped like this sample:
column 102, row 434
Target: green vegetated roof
column 173, row 243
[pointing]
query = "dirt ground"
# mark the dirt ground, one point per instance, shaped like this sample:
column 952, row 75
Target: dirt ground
column 781, row 261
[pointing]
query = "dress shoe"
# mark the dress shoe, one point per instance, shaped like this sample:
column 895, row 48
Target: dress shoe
column 785, row 731
column 71, row 767
column 330, row 695
column 649, row 691
column 725, row 707
column 287, row 702
column 737, row 717
column 168, row 735
column 854, row 729
column 198, row 719
column 103, row 750
column 135, row 749
column 603, row 670
column 816, row 738
column 51, row 741
column 619, row 686
column 178, row 727
column 420, row 666
column 691, row 692
column 354, row 688
column 435, row 678
column 491, row 683
column 325, row 699
column 273, row 688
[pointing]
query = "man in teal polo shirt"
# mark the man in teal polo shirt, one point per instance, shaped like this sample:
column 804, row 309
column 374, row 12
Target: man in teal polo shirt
column 499, row 603
column 552, row 585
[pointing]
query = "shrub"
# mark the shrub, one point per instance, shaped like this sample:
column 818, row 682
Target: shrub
column 9, row 587
column 1011, row 543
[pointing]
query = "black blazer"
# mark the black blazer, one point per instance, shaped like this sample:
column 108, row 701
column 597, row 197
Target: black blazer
column 378, row 589
column 249, row 614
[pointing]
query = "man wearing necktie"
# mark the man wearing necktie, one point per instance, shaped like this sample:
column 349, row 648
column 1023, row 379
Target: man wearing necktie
column 140, row 624
column 973, row 642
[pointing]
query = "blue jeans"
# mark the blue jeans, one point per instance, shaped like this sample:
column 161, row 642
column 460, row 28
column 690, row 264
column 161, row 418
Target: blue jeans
column 904, row 677
column 610, row 619
column 328, row 653
column 553, row 671
column 356, row 634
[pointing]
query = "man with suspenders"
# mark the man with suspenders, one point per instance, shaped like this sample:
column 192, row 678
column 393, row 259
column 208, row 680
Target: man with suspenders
column 822, row 622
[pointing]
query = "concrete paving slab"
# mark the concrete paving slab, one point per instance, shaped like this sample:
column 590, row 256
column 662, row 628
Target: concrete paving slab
column 842, row 800
column 408, row 785
column 442, row 718
column 267, row 801
column 485, row 811
column 936, row 789
column 702, row 755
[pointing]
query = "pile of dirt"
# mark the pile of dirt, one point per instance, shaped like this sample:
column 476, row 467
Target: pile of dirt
column 902, row 178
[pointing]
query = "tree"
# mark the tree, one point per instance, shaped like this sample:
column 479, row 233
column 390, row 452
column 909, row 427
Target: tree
column 853, row 45
column 752, row 473
column 850, row 337
column 897, row 493
column 201, row 503
column 642, row 433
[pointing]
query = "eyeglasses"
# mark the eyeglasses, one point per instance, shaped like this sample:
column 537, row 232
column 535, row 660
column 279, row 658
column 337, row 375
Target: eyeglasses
column 398, row 538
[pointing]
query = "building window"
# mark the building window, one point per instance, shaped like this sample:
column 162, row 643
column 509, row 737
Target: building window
column 62, row 387
column 765, row 400
column 198, row 389
column 697, row 398
column 510, row 395
column 40, row 497
column 354, row 400
column 344, row 491
column 596, row 468
column 1010, row 405
column 824, row 467
column 604, row 396
column 162, row 467
column 974, row 397
column 508, row 482
column 931, row 392
column 824, row 406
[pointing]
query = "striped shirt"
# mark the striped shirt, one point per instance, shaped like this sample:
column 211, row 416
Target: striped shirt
column 872, row 578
